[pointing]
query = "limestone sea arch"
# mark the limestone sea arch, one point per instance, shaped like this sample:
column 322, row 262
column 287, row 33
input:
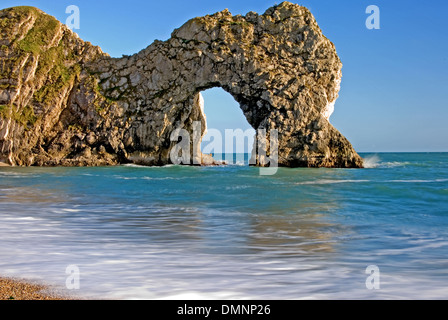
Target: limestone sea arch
column 65, row 102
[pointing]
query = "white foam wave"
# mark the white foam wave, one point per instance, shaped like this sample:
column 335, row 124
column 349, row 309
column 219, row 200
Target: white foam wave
column 16, row 174
column 393, row 164
column 133, row 165
column 148, row 178
column 223, row 295
column 163, row 178
column 374, row 161
column 71, row 210
column 371, row 161
column 125, row 178
column 324, row 181
column 418, row 181
column 237, row 187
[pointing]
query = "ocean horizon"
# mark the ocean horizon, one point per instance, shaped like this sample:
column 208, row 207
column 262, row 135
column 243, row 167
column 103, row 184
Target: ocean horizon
column 226, row 232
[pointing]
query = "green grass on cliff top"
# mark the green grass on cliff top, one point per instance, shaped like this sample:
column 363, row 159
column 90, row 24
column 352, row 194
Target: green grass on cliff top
column 42, row 33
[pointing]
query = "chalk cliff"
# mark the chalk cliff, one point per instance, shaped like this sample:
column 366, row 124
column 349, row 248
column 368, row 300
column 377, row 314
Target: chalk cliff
column 65, row 102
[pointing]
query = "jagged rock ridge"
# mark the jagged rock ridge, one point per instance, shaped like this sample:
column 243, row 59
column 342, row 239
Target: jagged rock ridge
column 65, row 102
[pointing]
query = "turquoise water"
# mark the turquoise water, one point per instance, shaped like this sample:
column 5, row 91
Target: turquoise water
column 229, row 233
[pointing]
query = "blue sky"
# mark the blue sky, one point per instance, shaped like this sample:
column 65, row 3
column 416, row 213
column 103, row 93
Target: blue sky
column 395, row 80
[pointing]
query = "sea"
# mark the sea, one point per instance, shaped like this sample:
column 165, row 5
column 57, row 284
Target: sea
column 228, row 232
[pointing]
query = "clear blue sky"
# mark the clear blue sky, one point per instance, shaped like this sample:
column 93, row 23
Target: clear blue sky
column 395, row 80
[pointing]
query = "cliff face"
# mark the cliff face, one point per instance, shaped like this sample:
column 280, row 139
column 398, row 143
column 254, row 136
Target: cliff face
column 64, row 102
column 42, row 66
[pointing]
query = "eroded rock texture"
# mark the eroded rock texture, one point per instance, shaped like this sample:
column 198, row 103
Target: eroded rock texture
column 65, row 102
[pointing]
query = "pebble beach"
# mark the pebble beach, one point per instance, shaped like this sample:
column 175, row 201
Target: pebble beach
column 19, row 289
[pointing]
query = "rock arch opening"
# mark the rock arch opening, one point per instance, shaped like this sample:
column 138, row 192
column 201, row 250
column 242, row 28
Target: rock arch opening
column 228, row 136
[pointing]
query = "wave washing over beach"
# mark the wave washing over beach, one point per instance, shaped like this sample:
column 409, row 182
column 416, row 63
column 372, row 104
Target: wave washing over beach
column 228, row 233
